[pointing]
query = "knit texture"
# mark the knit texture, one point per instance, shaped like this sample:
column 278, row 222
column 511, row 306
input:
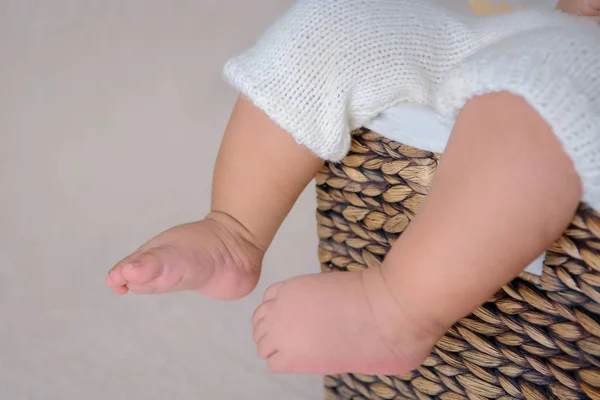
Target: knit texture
column 327, row 67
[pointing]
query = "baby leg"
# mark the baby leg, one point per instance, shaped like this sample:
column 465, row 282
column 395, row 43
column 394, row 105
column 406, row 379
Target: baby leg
column 477, row 229
column 259, row 174
column 504, row 192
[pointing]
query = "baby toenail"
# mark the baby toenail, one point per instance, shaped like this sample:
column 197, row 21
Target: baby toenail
column 131, row 267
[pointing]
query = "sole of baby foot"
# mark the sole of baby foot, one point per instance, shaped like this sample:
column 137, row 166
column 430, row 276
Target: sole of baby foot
column 325, row 324
column 214, row 257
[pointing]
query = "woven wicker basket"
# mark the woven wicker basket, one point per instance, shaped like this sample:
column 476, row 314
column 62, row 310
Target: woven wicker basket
column 538, row 338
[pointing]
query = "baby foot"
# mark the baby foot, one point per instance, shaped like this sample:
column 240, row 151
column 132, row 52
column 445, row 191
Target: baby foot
column 214, row 257
column 336, row 323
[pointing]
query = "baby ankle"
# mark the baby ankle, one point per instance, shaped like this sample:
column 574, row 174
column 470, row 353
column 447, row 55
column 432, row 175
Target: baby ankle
column 236, row 229
column 245, row 254
column 410, row 338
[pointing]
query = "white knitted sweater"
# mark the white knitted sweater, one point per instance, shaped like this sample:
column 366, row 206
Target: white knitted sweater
column 327, row 67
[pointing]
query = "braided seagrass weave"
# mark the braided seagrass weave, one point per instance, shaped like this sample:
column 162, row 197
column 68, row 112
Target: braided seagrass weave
column 538, row 338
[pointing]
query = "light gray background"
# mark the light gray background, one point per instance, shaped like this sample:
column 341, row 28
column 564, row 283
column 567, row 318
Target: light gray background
column 111, row 113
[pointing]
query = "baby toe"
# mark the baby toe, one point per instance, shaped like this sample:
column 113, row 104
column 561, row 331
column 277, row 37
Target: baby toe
column 266, row 348
column 116, row 282
column 115, row 277
column 260, row 330
column 144, row 270
column 272, row 291
column 260, row 313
